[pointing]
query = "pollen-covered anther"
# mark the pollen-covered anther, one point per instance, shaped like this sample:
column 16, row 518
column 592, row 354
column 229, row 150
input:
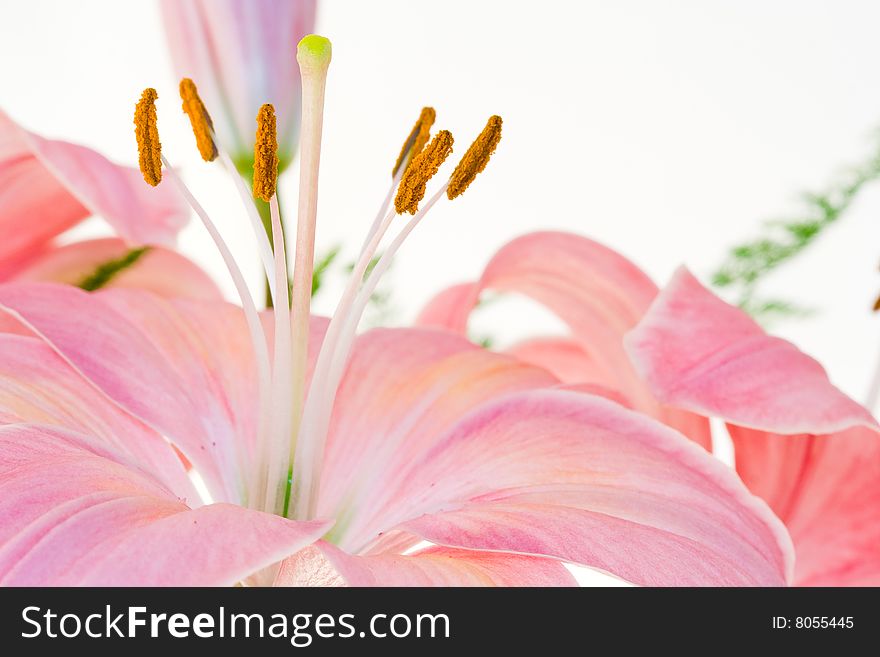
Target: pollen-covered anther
column 423, row 167
column 416, row 140
column 476, row 158
column 266, row 154
column 877, row 305
column 202, row 126
column 147, row 133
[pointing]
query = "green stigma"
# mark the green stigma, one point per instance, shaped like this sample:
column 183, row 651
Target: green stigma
column 314, row 51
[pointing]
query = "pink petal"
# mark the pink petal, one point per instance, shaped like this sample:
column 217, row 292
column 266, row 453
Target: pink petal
column 704, row 355
column 28, row 190
column 826, row 489
column 183, row 367
column 239, row 54
column 451, row 308
column 37, row 386
column 563, row 357
column 61, row 183
column 402, row 390
column 577, row 478
column 435, row 566
column 74, row 515
column 600, row 295
column 160, row 270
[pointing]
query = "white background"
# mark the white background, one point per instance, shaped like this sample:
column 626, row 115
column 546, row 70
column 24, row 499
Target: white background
column 668, row 130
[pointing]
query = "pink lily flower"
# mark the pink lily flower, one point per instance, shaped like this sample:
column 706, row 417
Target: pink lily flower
column 431, row 438
column 48, row 186
column 239, row 54
column 802, row 445
column 328, row 457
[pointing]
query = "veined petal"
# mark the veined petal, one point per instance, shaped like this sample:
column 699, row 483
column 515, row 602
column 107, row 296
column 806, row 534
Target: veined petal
column 578, row 478
column 827, row 491
column 75, row 515
column 701, row 354
column 597, row 292
column 183, row 367
column 159, row 270
column 402, row 390
column 38, row 386
column 435, row 566
column 811, row 452
column 47, row 186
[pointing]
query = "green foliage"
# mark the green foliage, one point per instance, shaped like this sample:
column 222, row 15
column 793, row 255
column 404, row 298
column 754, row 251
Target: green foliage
column 321, row 267
column 749, row 263
column 106, row 271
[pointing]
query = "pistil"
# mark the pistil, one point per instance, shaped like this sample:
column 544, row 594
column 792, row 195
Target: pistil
column 313, row 54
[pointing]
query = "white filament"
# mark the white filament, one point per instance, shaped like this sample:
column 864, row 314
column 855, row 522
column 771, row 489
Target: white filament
column 326, row 380
column 258, row 337
column 263, row 246
column 277, row 464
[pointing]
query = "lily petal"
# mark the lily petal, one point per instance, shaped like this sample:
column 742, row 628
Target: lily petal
column 811, row 452
column 75, row 515
column 434, row 566
column 60, row 184
column 561, row 356
column 238, row 52
column 37, row 386
column 402, row 390
column 597, row 292
column 589, row 482
column 155, row 359
column 159, row 270
column 576, row 478
column 701, row 354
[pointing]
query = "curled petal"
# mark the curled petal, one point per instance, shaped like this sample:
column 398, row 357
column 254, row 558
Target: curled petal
column 47, row 186
column 701, row 354
column 597, row 292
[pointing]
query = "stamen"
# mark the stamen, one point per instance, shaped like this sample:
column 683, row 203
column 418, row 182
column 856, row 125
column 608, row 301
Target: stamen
column 276, row 463
column 877, row 305
column 255, row 328
column 147, row 133
column 199, row 118
column 332, row 362
column 417, row 139
column 259, row 231
column 476, row 158
column 413, row 145
column 265, row 154
column 423, row 167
